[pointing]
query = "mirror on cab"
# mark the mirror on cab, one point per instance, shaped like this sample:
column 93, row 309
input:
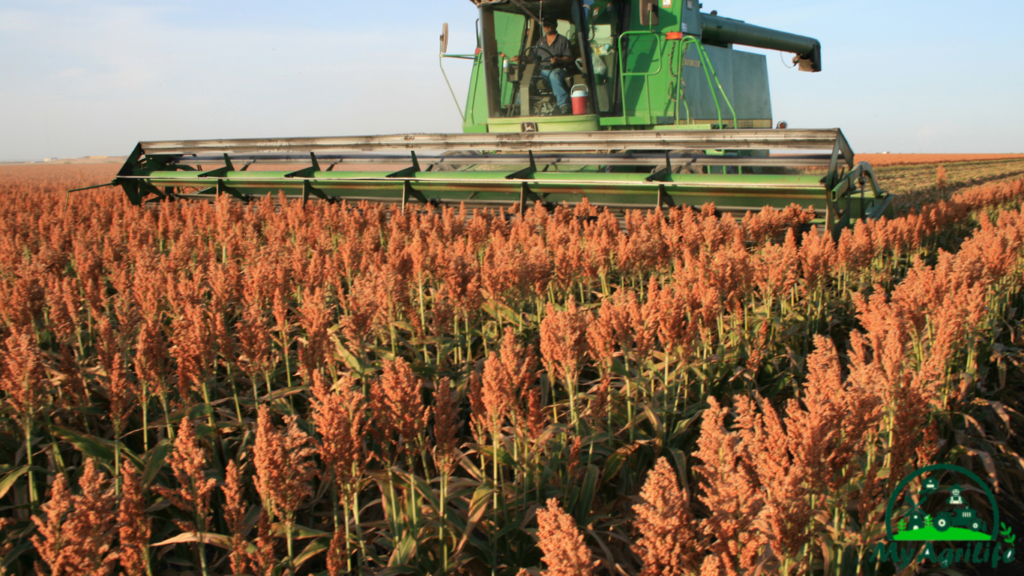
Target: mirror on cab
column 444, row 38
column 648, row 12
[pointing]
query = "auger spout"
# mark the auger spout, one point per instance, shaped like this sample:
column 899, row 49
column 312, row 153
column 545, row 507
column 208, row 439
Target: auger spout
column 719, row 30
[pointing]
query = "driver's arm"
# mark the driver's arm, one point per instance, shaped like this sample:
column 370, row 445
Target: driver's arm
column 563, row 56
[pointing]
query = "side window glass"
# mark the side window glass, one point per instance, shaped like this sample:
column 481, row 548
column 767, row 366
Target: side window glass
column 602, row 51
column 509, row 30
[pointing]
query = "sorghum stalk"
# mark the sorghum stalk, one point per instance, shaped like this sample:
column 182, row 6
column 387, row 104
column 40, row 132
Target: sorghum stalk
column 167, row 416
column 392, row 511
column 497, row 487
column 359, row 527
column 668, row 356
column 288, row 535
column 458, row 344
column 444, row 521
column 145, row 417
column 394, row 335
column 202, row 555
column 629, row 404
column 32, row 497
column 469, row 341
column 423, row 320
column 234, row 393
column 284, row 351
column 348, row 537
column 117, row 458
column 58, row 459
column 206, row 400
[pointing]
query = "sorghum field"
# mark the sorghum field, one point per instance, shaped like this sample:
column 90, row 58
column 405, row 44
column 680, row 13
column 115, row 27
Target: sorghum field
column 332, row 389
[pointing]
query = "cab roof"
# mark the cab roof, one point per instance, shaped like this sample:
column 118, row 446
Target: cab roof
column 561, row 9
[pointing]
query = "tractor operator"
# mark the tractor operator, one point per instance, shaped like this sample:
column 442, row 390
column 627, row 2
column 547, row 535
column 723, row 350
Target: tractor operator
column 555, row 53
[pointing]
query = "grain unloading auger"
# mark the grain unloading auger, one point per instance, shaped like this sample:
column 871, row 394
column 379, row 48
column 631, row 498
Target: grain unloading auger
column 664, row 113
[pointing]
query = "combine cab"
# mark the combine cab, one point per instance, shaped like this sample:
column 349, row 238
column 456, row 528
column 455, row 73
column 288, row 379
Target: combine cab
column 664, row 112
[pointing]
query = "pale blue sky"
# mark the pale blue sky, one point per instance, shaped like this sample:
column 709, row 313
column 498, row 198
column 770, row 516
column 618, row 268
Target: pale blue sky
column 93, row 78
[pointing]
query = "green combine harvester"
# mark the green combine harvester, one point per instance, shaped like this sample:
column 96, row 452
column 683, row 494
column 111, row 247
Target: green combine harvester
column 664, row 112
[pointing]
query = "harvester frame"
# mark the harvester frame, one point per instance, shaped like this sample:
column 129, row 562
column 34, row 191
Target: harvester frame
column 633, row 150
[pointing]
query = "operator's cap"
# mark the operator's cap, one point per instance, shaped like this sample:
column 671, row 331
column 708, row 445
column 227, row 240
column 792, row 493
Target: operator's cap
column 550, row 21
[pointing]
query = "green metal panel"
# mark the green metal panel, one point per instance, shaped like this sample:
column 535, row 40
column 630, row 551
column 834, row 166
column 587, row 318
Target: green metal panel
column 652, row 64
column 743, row 75
column 569, row 123
column 643, row 71
column 476, row 100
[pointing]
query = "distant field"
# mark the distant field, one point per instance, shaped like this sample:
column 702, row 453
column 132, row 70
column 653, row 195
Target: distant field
column 918, row 184
column 53, row 176
column 902, row 159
